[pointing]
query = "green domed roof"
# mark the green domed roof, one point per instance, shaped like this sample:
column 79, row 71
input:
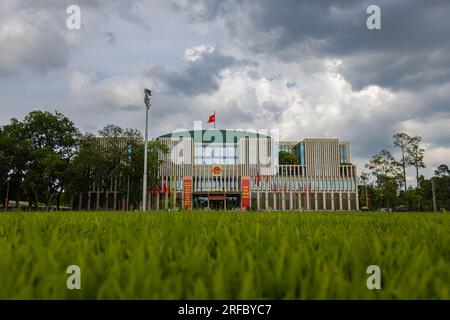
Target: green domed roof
column 214, row 135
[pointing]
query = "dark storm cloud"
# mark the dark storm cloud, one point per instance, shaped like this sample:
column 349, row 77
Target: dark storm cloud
column 411, row 49
column 199, row 76
column 34, row 36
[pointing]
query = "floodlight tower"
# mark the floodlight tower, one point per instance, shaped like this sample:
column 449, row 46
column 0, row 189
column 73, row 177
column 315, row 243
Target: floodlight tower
column 147, row 95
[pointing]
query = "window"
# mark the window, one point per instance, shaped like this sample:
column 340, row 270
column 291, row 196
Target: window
column 215, row 154
column 343, row 153
column 302, row 154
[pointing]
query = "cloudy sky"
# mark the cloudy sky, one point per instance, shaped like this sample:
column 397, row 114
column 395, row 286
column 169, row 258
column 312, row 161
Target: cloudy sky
column 308, row 68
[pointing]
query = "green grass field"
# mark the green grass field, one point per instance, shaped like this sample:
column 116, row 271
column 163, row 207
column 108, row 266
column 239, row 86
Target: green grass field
column 224, row 255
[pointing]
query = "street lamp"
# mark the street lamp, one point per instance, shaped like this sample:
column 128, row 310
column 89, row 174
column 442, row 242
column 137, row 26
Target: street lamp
column 147, row 95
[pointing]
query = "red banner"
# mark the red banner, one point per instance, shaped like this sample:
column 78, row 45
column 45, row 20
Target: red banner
column 245, row 198
column 187, row 192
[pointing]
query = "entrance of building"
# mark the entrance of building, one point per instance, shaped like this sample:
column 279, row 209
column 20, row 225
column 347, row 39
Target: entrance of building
column 217, row 201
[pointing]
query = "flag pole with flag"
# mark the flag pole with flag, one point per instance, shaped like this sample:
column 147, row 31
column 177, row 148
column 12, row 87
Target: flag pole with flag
column 212, row 119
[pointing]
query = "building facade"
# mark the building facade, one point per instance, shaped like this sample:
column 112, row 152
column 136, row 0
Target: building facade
column 232, row 169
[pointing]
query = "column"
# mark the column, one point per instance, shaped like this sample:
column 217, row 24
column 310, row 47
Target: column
column 349, row 204
column 316, row 201
column 257, row 199
column 307, row 201
column 340, row 200
column 291, row 201
column 299, row 200
column 274, row 200
column 97, row 204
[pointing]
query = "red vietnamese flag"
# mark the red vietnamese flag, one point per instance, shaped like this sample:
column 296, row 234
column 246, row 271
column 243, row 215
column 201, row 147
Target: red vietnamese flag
column 212, row 118
column 258, row 178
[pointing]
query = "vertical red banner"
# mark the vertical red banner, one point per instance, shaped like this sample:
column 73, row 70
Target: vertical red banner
column 187, row 192
column 245, row 198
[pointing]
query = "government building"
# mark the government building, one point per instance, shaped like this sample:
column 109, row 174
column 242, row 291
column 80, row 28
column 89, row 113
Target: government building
column 240, row 170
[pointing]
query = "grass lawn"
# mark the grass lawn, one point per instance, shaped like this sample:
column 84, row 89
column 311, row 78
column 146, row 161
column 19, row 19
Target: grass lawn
column 224, row 255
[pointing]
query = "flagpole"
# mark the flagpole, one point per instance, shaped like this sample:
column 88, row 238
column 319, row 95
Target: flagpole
column 214, row 118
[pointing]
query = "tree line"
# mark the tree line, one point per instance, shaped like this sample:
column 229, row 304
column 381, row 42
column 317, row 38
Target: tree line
column 385, row 185
column 45, row 160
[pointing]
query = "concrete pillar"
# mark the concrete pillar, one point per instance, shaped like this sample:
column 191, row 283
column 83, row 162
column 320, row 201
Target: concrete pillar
column 324, row 200
column 307, row 201
column 274, row 201
column 316, row 202
column 266, row 199
column 166, row 202
column 332, row 201
column 299, row 200
column 291, row 201
column 357, row 199
column 97, row 201
column 89, row 201
column 257, row 200
column 340, row 201
column 283, row 201
column 157, row 201
column 174, row 199
column 349, row 204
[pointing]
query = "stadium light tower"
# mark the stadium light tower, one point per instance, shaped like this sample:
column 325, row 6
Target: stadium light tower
column 147, row 95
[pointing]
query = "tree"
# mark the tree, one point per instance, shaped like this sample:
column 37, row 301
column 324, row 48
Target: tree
column 15, row 153
column 54, row 141
column 415, row 155
column 364, row 180
column 442, row 171
column 403, row 141
column 388, row 175
column 288, row 158
column 116, row 154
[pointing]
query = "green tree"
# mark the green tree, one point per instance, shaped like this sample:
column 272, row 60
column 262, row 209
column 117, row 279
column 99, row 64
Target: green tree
column 15, row 153
column 442, row 171
column 388, row 175
column 54, row 141
column 415, row 155
column 363, row 192
column 115, row 155
column 288, row 158
column 403, row 141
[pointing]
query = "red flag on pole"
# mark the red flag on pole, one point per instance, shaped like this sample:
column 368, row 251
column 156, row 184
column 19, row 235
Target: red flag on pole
column 258, row 178
column 212, row 118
